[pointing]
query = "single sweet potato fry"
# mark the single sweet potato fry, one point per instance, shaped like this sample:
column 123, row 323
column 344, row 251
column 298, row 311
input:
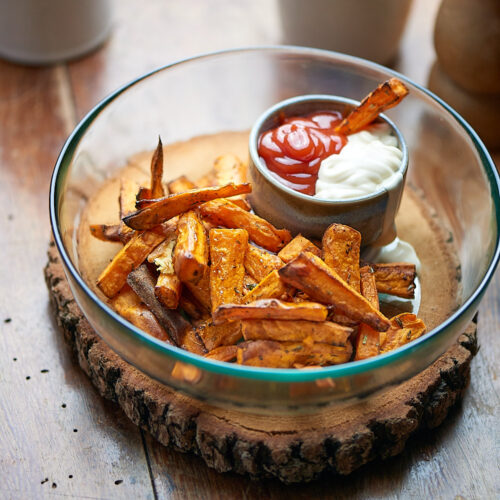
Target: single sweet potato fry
column 228, row 168
column 105, row 232
column 259, row 263
column 297, row 245
column 216, row 335
column 310, row 274
column 170, row 206
column 397, row 278
column 223, row 353
column 404, row 328
column 271, row 287
column 295, row 331
column 286, row 354
column 270, row 309
column 341, row 247
column 368, row 339
column 227, row 254
column 201, row 291
column 127, row 200
column 180, row 185
column 180, row 330
column 191, row 250
column 168, row 285
column 127, row 304
column 127, row 259
column 385, row 96
column 157, row 190
column 225, row 213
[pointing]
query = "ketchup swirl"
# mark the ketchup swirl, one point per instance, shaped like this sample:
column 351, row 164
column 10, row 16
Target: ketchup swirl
column 295, row 149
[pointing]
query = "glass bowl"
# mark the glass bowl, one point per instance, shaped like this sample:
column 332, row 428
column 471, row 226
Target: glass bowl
column 228, row 91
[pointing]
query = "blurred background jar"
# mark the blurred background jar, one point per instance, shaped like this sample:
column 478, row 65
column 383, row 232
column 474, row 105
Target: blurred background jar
column 466, row 73
column 50, row 31
column 365, row 28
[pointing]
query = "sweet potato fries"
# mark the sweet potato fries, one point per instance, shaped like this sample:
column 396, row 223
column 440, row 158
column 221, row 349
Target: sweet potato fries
column 201, row 271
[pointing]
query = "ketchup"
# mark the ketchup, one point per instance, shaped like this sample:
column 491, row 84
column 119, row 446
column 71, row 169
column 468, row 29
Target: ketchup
column 295, row 149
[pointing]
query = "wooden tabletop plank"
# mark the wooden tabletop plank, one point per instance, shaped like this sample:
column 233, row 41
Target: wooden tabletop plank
column 57, row 434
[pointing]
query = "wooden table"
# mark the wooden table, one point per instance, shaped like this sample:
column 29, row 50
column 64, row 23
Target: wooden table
column 58, row 436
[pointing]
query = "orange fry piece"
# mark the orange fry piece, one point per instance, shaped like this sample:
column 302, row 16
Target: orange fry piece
column 227, row 254
column 287, row 354
column 227, row 214
column 104, row 232
column 191, row 250
column 368, row 339
column 127, row 259
column 170, row 206
column 127, row 304
column 157, row 190
column 168, row 285
column 228, row 168
column 217, row 335
column 385, row 96
column 310, row 274
column 270, row 309
column 223, row 353
column 404, row 328
column 296, row 331
column 297, row 245
column 271, row 287
column 396, row 278
column 127, row 200
column 259, row 263
column 341, row 248
column 180, row 185
column 201, row 291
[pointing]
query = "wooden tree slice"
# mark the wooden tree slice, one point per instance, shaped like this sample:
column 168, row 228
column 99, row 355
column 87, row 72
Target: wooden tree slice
column 290, row 449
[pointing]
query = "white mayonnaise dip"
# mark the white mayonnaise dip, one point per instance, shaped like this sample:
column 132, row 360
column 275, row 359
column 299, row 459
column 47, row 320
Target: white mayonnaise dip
column 369, row 161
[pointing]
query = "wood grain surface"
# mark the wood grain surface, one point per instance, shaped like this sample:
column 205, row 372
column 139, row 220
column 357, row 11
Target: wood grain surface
column 44, row 397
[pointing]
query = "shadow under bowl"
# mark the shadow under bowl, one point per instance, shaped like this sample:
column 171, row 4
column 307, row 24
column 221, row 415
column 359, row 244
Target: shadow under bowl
column 372, row 215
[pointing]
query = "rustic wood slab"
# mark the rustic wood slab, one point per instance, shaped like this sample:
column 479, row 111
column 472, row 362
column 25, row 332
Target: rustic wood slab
column 294, row 449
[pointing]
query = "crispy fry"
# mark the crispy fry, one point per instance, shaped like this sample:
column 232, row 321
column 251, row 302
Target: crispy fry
column 157, row 190
column 297, row 245
column 310, row 274
column 127, row 199
column 259, row 263
column 127, row 259
column 201, row 291
column 127, row 304
column 227, row 254
column 296, row 331
column 180, row 330
column 271, row 287
column 168, row 285
column 104, row 232
column 270, row 309
column 191, row 250
column 227, row 214
column 216, row 335
column 341, row 247
column 368, row 339
column 397, row 278
column 223, row 353
column 404, row 328
column 385, row 96
column 170, row 206
column 286, row 354
column 229, row 168
column 180, row 185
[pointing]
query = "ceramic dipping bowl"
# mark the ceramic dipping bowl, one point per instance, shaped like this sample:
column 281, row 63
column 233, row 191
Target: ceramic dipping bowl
column 372, row 215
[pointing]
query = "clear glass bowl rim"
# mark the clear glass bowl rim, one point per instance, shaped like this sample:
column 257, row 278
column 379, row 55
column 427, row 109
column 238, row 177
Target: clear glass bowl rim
column 272, row 374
